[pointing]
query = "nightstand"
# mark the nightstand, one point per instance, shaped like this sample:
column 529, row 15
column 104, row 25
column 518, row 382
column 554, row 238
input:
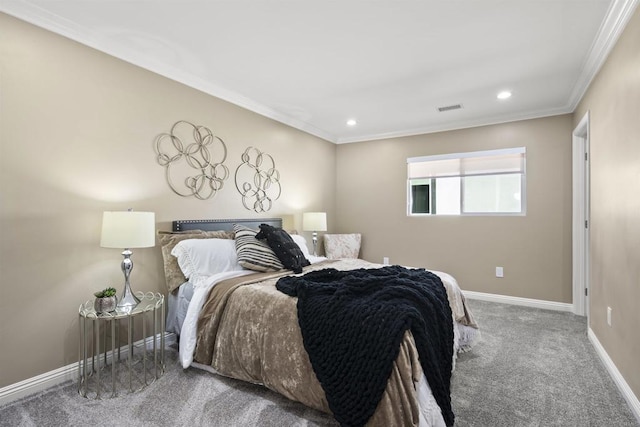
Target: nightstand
column 103, row 355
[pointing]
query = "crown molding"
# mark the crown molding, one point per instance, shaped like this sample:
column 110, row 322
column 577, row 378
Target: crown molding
column 61, row 26
column 612, row 26
column 485, row 121
column 614, row 23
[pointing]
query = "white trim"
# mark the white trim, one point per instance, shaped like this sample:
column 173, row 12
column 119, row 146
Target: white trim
column 618, row 379
column 488, row 121
column 617, row 17
column 70, row 372
column 38, row 383
column 527, row 302
column 42, row 382
column 580, row 239
column 44, row 19
column 468, row 154
column 613, row 24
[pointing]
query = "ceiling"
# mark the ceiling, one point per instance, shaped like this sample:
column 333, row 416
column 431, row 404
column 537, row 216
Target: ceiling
column 388, row 64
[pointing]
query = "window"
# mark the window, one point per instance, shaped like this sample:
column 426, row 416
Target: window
column 421, row 196
column 477, row 183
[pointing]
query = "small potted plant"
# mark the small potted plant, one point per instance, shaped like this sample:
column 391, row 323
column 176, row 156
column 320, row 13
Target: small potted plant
column 105, row 301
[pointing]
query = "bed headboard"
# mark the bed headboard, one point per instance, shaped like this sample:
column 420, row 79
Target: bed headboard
column 223, row 224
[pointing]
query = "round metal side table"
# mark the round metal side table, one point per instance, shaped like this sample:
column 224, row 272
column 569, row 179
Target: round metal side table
column 101, row 356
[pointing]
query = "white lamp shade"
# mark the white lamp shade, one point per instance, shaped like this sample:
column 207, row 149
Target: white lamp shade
column 127, row 229
column 314, row 221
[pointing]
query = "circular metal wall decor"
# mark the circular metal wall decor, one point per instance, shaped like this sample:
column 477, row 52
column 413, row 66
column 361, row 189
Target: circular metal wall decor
column 187, row 153
column 258, row 180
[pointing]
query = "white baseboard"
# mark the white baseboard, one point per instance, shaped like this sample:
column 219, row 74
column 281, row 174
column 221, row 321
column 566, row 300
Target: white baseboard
column 70, row 372
column 627, row 393
column 38, row 383
column 528, row 302
column 57, row 376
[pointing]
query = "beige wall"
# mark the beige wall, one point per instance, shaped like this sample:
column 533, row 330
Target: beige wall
column 76, row 138
column 613, row 102
column 535, row 250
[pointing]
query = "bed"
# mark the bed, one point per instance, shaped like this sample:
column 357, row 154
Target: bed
column 238, row 322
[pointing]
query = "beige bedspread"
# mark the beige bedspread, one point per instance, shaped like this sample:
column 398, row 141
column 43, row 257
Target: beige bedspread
column 249, row 330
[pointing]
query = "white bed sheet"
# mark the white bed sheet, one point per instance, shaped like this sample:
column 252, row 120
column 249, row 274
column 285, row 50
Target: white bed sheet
column 188, row 331
column 201, row 288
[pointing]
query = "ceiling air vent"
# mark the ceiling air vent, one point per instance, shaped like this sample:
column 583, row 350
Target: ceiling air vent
column 449, row 108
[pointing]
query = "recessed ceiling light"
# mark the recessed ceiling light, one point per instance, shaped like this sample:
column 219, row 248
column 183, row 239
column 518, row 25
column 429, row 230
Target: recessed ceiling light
column 504, row 94
column 352, row 122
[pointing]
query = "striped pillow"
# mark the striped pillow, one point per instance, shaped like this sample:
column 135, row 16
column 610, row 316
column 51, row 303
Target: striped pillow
column 254, row 254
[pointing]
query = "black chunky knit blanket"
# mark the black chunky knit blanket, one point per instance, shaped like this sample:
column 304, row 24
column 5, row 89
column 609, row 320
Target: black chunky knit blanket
column 352, row 323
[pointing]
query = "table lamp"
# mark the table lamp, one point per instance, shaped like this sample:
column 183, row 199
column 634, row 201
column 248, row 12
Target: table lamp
column 314, row 221
column 128, row 229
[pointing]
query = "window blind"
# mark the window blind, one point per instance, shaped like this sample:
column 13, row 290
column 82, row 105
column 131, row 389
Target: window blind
column 490, row 162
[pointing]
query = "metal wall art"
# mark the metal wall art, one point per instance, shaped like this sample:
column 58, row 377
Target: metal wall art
column 258, row 180
column 188, row 153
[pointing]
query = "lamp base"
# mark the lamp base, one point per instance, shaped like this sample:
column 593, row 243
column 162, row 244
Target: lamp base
column 128, row 300
column 314, row 239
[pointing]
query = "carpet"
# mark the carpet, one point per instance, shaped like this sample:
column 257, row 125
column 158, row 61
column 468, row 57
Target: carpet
column 532, row 367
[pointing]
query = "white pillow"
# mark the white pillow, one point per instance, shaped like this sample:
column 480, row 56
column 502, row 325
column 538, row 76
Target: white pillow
column 199, row 258
column 302, row 242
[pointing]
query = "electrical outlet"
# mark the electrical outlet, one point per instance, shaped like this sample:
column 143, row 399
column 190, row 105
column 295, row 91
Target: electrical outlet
column 609, row 316
column 499, row 272
column 385, row 260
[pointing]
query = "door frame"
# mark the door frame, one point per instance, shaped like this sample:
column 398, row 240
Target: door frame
column 581, row 221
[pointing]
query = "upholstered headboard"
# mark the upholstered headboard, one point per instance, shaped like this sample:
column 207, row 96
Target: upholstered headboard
column 223, row 224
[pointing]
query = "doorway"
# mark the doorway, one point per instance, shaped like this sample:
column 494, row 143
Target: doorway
column 581, row 225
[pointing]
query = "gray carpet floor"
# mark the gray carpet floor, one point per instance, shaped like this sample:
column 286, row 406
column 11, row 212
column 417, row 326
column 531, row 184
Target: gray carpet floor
column 532, row 368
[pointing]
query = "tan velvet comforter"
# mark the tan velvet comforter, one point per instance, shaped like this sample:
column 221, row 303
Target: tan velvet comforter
column 249, row 330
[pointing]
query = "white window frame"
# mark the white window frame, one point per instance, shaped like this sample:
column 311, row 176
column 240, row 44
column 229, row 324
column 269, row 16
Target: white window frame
column 476, row 155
